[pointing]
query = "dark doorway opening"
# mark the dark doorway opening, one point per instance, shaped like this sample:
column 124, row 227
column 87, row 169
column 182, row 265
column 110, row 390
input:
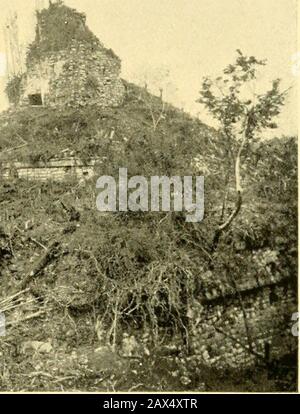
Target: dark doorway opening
column 35, row 100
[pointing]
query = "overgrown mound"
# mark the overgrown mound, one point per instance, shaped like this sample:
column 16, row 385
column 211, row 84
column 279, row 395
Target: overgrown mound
column 43, row 133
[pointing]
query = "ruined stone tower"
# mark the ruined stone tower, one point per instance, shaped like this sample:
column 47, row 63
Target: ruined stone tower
column 67, row 65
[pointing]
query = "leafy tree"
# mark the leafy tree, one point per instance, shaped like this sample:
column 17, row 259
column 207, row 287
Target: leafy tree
column 242, row 116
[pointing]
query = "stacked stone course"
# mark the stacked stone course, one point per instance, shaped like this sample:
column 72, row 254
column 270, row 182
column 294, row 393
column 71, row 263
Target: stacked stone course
column 76, row 77
column 220, row 338
column 54, row 170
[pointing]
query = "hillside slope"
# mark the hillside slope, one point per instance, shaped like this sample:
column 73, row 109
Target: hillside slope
column 121, row 278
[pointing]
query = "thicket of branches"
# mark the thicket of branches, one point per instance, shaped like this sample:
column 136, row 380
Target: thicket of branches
column 143, row 270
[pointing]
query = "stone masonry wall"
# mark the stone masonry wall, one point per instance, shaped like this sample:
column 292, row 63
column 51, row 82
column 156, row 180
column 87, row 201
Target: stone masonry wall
column 56, row 170
column 220, row 338
column 76, row 77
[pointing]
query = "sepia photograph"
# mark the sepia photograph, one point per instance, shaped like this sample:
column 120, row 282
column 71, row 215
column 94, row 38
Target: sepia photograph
column 149, row 198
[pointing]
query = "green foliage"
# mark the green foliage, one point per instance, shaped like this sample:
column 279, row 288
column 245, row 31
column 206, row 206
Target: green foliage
column 229, row 101
column 13, row 89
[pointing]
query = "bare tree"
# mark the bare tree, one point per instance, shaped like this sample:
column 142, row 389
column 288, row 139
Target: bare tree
column 156, row 84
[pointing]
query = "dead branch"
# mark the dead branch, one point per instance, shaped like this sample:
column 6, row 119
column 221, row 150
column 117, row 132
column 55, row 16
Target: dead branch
column 37, row 243
column 12, row 297
column 33, row 315
column 41, row 263
column 13, row 149
column 53, row 249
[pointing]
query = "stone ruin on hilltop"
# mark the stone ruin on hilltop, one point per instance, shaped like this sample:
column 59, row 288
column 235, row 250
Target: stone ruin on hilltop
column 67, row 65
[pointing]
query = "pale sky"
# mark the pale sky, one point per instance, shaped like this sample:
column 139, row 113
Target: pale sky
column 190, row 38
